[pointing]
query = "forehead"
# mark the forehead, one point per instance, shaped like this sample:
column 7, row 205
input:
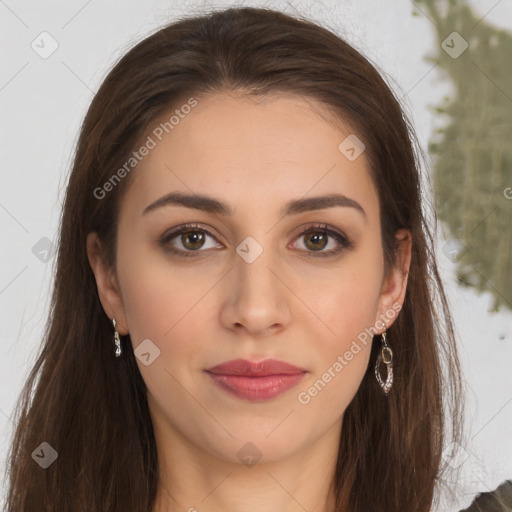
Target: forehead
column 232, row 146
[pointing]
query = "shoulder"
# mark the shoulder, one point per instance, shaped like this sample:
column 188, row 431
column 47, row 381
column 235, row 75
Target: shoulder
column 499, row 500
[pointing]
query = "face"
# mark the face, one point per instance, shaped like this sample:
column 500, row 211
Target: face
column 273, row 274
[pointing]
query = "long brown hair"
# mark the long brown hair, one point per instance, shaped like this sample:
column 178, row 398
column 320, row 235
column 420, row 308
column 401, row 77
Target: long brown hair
column 91, row 407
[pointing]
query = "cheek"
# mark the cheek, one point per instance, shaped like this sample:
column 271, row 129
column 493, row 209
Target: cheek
column 341, row 356
column 347, row 305
column 157, row 298
column 161, row 305
column 347, row 301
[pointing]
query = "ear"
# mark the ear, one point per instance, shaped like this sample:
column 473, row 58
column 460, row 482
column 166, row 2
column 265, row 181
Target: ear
column 108, row 288
column 395, row 284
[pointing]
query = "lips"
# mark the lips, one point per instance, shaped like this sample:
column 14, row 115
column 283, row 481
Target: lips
column 256, row 381
column 255, row 368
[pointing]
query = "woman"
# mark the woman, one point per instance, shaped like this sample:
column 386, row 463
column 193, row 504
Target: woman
column 247, row 312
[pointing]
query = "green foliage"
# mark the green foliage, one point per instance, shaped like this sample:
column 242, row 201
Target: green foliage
column 472, row 154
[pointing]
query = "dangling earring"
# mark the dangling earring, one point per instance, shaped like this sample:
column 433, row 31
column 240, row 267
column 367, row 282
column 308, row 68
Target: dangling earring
column 385, row 355
column 117, row 341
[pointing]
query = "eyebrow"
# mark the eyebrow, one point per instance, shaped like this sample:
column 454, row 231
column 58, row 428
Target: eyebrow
column 217, row 206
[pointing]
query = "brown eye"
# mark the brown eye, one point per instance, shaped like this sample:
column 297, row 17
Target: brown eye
column 317, row 238
column 187, row 240
column 192, row 240
column 316, row 241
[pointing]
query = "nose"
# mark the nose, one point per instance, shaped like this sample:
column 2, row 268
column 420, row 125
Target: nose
column 257, row 298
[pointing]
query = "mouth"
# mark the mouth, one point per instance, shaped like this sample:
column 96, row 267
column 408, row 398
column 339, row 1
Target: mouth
column 256, row 381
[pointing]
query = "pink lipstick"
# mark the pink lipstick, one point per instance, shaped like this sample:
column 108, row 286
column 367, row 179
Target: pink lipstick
column 256, row 381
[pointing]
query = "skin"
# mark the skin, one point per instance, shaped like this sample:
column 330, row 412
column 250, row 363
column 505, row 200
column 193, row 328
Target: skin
column 288, row 304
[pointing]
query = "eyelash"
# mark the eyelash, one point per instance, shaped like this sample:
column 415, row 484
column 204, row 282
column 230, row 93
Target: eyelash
column 345, row 243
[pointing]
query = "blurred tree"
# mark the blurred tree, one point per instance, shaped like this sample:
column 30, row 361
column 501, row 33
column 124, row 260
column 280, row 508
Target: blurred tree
column 472, row 153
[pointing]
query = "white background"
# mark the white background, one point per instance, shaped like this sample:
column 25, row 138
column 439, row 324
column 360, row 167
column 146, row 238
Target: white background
column 43, row 102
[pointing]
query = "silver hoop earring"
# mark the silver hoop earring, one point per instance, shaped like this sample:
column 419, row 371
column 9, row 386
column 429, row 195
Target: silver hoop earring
column 117, row 341
column 386, row 356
